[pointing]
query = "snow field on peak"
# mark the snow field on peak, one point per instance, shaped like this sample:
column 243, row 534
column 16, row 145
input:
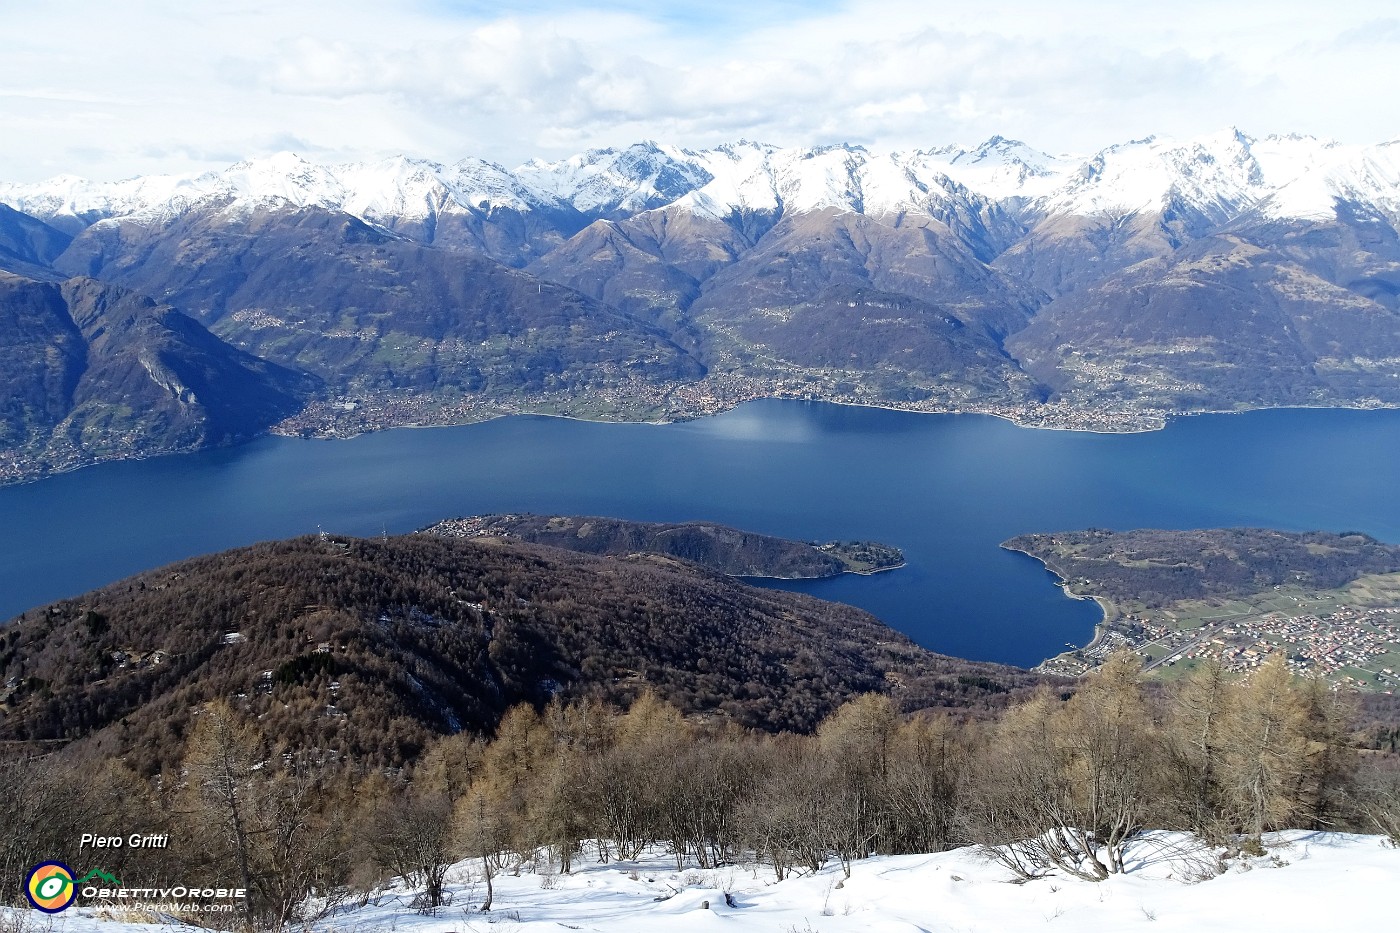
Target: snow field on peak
column 1223, row 174
column 282, row 177
column 804, row 181
column 811, row 181
column 413, row 189
column 1140, row 176
column 740, row 177
column 1365, row 174
column 1002, row 169
column 1304, row 882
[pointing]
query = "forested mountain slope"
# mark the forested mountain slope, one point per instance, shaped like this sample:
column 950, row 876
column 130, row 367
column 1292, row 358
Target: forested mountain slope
column 366, row 649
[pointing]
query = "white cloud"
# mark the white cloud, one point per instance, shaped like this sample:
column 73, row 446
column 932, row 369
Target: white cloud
column 113, row 89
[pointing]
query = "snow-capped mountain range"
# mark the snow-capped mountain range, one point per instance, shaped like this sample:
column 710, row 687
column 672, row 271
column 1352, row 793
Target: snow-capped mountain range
column 1219, row 175
column 1155, row 276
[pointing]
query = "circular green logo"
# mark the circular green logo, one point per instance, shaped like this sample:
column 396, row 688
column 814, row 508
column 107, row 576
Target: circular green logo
column 50, row 887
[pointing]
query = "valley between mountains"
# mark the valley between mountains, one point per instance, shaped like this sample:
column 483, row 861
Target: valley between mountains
column 1106, row 292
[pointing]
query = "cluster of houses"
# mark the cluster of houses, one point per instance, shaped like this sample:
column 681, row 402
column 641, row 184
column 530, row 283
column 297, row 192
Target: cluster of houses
column 1330, row 646
column 1351, row 646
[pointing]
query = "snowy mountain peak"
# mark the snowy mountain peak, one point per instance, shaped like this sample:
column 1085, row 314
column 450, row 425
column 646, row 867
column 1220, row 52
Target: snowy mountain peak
column 284, row 177
column 608, row 181
column 1002, row 148
column 283, row 162
column 1002, row 168
column 835, row 147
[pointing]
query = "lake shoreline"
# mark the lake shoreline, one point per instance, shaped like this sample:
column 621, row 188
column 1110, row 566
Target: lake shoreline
column 1105, row 607
column 20, row 474
column 830, row 576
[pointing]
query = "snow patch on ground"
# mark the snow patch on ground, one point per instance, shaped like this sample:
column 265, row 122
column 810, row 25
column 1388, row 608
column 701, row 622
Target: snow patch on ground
column 1305, row 881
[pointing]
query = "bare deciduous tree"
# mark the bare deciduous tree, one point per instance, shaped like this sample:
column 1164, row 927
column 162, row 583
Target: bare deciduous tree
column 411, row 836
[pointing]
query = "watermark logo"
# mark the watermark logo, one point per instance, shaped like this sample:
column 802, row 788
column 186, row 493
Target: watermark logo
column 50, row 887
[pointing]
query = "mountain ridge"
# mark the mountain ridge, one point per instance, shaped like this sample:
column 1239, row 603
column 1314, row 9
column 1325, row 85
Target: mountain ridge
column 94, row 371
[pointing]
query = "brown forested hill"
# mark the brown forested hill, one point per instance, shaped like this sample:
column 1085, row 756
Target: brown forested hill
column 367, row 648
column 718, row 547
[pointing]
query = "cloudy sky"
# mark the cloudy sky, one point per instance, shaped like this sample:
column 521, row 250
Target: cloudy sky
column 112, row 89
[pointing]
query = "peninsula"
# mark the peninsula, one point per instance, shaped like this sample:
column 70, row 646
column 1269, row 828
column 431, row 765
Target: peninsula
column 718, row 547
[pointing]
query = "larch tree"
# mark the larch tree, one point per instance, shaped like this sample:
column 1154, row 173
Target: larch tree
column 1195, row 741
column 220, row 765
column 1264, row 767
column 856, row 744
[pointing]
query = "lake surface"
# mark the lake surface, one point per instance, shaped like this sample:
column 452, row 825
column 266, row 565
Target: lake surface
column 945, row 488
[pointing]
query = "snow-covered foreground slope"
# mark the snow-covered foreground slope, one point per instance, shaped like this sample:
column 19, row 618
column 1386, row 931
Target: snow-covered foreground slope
column 1304, row 882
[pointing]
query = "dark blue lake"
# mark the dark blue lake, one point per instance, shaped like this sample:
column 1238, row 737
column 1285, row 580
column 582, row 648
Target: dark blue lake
column 945, row 488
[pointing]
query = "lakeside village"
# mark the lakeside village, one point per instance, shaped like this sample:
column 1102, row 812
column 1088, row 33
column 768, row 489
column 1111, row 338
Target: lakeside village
column 639, row 400
column 630, row 400
column 1351, row 647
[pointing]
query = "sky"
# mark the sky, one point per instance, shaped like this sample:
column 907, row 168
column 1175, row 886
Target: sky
column 109, row 90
